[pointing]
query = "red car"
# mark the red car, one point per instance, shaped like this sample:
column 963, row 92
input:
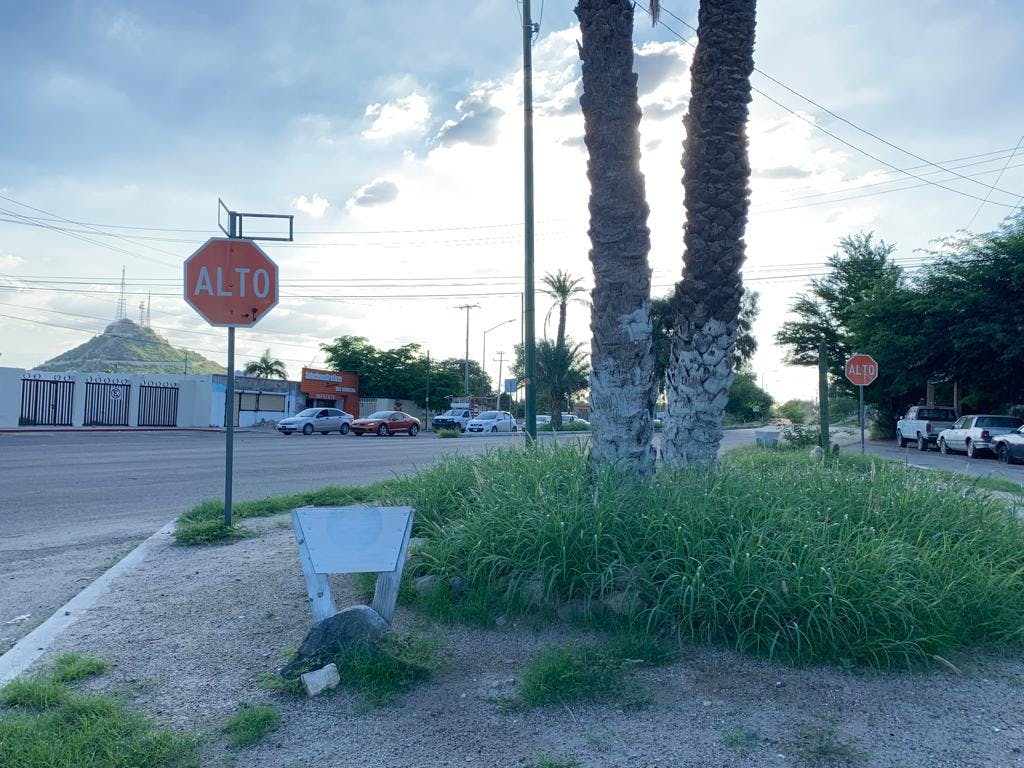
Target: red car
column 387, row 423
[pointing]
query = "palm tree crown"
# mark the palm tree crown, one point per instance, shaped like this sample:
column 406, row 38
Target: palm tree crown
column 563, row 288
column 266, row 367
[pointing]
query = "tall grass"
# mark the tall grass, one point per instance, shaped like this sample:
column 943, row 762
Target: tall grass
column 772, row 553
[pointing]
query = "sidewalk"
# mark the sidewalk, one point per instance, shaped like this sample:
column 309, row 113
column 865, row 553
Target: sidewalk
column 190, row 630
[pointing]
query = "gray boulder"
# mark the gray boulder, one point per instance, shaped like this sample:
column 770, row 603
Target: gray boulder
column 352, row 626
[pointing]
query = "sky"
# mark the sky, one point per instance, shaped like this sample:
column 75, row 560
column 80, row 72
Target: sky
column 393, row 133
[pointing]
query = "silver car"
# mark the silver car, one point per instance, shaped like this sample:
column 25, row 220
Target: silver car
column 322, row 420
column 974, row 434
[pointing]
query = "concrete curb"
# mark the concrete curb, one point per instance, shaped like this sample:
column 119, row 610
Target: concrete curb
column 33, row 645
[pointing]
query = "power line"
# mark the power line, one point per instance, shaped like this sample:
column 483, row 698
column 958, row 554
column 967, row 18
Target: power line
column 1001, row 172
column 840, row 139
column 842, row 119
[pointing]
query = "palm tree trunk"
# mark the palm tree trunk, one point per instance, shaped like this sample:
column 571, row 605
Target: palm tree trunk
column 622, row 387
column 716, row 173
column 560, row 338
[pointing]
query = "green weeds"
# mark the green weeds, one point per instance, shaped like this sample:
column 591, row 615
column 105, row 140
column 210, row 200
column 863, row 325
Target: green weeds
column 448, row 434
column 44, row 723
column 250, row 724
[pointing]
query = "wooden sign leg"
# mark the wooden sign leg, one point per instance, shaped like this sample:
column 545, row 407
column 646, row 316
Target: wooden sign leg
column 317, row 585
column 385, row 596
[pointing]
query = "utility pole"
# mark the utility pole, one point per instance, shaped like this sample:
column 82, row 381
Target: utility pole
column 467, row 307
column 429, row 420
column 483, row 357
column 501, row 362
column 824, row 440
column 530, row 350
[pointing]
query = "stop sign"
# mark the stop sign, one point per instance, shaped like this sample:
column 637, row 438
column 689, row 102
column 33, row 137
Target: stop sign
column 861, row 370
column 230, row 282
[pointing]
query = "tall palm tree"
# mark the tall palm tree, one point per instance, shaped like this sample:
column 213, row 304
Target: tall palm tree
column 622, row 388
column 563, row 288
column 266, row 367
column 716, row 175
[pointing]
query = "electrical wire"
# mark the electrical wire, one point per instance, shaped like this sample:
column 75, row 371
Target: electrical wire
column 1001, row 172
column 838, row 117
column 840, row 139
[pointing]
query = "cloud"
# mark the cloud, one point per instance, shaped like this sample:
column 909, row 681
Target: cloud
column 656, row 63
column 10, row 261
column 478, row 121
column 409, row 114
column 377, row 192
column 783, row 172
column 315, row 206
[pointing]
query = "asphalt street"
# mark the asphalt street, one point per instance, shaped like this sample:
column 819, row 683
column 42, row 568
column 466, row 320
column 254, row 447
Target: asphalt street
column 73, row 503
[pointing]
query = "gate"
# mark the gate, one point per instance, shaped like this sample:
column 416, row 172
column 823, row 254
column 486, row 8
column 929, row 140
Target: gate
column 46, row 402
column 106, row 405
column 158, row 406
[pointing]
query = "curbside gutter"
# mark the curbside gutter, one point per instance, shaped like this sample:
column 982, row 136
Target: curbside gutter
column 33, row 645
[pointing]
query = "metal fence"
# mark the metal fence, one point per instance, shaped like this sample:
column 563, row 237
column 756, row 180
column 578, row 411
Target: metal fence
column 158, row 406
column 106, row 405
column 46, row 402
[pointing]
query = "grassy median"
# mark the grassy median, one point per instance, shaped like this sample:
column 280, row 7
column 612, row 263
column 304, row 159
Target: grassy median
column 849, row 560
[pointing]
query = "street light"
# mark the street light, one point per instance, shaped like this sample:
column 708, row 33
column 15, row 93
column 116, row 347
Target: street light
column 483, row 358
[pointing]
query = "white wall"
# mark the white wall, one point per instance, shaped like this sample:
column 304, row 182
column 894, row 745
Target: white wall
column 194, row 394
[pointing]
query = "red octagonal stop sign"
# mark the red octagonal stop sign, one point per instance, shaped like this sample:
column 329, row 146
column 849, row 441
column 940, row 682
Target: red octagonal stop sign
column 231, row 282
column 861, row 370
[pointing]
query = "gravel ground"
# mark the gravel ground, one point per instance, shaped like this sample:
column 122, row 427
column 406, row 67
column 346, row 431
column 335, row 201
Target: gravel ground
column 190, row 631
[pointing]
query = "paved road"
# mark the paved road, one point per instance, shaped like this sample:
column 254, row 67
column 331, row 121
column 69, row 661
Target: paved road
column 980, row 467
column 74, row 502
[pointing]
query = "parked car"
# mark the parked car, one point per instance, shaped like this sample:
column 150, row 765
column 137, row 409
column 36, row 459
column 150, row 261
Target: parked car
column 387, row 423
column 456, row 417
column 1009, row 447
column 312, row 420
column 922, row 424
column 975, row 434
column 492, row 421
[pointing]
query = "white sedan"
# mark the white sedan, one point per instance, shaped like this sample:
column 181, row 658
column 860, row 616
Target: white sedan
column 492, row 421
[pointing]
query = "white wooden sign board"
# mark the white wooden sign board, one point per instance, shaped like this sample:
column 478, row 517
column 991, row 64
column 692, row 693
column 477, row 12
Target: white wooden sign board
column 352, row 540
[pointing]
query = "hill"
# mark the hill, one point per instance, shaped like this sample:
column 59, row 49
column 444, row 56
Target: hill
column 126, row 347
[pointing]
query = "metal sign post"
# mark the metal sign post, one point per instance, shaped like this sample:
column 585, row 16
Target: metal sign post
column 862, row 449
column 231, row 282
column 861, row 370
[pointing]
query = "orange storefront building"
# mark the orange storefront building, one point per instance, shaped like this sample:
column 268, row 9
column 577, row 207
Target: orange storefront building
column 330, row 389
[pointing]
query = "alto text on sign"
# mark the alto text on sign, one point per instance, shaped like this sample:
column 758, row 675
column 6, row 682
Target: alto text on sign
column 231, row 282
column 861, row 370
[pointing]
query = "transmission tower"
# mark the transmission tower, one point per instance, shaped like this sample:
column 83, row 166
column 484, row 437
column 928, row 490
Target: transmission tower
column 149, row 311
column 122, row 306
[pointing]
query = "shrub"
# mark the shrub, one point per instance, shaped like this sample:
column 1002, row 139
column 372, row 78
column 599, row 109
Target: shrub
column 801, row 435
column 448, row 433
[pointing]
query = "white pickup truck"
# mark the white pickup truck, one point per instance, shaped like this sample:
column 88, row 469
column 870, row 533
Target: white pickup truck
column 922, row 425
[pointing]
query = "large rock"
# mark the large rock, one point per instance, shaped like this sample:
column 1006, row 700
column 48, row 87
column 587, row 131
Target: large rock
column 352, row 626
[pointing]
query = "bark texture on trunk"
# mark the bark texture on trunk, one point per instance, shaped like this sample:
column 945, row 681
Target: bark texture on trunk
column 716, row 174
column 622, row 387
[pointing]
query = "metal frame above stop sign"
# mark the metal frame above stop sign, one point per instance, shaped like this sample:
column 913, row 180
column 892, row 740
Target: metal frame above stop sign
column 239, row 290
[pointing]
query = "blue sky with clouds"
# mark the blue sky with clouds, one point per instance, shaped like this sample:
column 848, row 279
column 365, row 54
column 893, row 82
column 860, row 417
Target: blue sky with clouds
column 369, row 119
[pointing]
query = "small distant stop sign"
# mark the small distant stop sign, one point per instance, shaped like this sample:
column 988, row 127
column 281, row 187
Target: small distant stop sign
column 231, row 282
column 861, row 370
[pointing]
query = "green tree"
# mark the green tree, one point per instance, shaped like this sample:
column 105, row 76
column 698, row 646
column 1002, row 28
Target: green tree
column 865, row 305
column 747, row 401
column 622, row 386
column 716, row 177
column 974, row 293
column 562, row 372
column 266, row 367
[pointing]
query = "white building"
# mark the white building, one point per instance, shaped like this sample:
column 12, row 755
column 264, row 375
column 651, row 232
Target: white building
column 50, row 399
